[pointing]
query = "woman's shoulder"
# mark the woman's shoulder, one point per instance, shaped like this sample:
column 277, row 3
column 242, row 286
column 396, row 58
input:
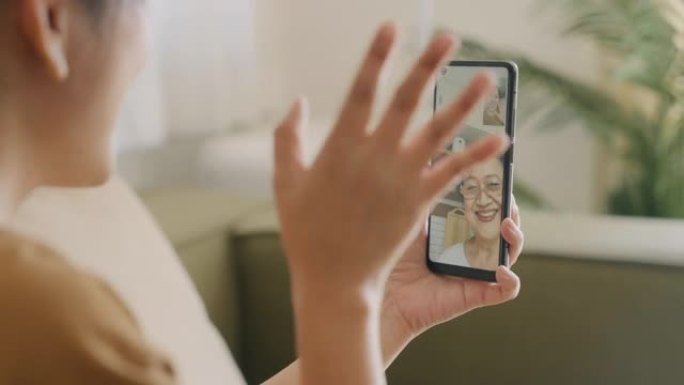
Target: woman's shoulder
column 71, row 318
column 34, row 267
column 15, row 248
column 24, row 261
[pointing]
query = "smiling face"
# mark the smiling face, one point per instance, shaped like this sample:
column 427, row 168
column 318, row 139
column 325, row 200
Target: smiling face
column 482, row 191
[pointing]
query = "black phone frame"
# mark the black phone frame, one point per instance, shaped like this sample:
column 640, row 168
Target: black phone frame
column 507, row 158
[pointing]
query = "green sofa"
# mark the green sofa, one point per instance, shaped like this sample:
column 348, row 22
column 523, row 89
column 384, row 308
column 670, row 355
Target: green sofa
column 577, row 321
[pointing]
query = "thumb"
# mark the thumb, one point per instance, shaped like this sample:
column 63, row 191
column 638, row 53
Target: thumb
column 506, row 289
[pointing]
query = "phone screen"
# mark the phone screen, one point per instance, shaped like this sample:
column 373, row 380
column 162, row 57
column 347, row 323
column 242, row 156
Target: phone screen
column 465, row 225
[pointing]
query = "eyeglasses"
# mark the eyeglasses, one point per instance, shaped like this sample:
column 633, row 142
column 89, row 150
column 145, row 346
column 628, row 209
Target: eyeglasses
column 472, row 188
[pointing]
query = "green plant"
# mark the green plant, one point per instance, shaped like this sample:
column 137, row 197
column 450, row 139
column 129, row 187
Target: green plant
column 643, row 46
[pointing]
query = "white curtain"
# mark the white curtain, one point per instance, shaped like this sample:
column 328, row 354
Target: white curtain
column 201, row 75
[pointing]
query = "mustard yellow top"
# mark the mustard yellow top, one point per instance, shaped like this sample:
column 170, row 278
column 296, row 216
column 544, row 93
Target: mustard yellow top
column 60, row 326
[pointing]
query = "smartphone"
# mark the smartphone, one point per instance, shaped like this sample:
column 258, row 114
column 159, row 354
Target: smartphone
column 464, row 227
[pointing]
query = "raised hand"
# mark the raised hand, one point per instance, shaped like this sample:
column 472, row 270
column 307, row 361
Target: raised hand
column 350, row 215
column 348, row 218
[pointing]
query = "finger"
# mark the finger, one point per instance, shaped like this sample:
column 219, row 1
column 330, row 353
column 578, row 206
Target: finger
column 443, row 174
column 515, row 213
column 506, row 289
column 288, row 151
column 406, row 100
column 358, row 107
column 515, row 238
column 445, row 124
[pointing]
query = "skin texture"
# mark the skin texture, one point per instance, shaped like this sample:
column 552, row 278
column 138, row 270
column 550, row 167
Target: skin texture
column 64, row 73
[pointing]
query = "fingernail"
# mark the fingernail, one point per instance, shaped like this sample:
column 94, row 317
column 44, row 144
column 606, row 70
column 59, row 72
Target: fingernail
column 512, row 232
column 387, row 29
column 486, row 77
column 296, row 107
column 304, row 105
column 505, row 143
column 503, row 273
column 444, row 41
column 506, row 226
column 299, row 109
column 293, row 109
column 508, row 271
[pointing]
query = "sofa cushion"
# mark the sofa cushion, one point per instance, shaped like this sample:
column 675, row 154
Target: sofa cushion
column 575, row 322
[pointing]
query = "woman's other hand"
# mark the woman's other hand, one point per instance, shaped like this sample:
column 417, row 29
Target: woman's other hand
column 417, row 299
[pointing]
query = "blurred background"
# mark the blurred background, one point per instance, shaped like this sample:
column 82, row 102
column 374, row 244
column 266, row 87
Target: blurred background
column 599, row 171
column 223, row 69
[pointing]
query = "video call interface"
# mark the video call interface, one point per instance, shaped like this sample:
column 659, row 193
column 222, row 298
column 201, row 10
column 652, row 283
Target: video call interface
column 465, row 224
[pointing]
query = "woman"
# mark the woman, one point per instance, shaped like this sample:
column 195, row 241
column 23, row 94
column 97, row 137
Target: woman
column 481, row 190
column 64, row 68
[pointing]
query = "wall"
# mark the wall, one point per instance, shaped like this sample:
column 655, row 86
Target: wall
column 560, row 165
column 246, row 62
column 314, row 47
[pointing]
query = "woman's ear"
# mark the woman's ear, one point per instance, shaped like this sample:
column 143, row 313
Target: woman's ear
column 44, row 25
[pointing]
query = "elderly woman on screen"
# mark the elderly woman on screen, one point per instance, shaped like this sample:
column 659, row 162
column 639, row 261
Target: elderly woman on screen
column 482, row 192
